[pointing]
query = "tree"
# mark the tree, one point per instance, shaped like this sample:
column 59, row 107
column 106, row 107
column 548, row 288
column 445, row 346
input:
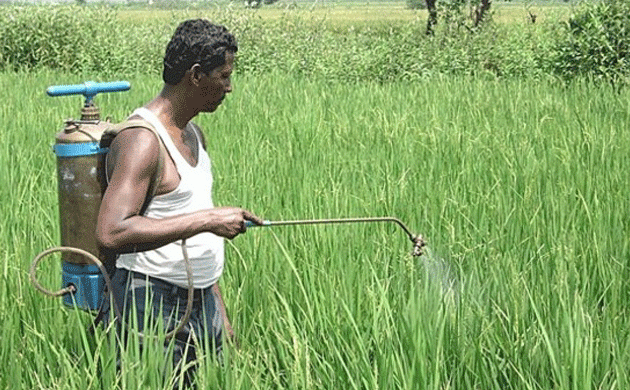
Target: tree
column 432, row 20
column 453, row 10
column 480, row 11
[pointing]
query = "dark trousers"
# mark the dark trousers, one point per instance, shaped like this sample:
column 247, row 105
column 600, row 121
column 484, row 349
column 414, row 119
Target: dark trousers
column 157, row 302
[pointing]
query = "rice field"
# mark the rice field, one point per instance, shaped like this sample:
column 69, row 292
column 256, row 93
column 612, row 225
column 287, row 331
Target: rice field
column 520, row 188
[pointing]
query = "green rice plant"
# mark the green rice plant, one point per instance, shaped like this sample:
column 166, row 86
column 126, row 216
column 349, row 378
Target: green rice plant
column 519, row 188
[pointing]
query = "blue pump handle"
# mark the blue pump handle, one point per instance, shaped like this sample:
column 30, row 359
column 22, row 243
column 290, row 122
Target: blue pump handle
column 89, row 89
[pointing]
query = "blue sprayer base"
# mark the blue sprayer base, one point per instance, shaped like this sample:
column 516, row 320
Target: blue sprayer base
column 89, row 283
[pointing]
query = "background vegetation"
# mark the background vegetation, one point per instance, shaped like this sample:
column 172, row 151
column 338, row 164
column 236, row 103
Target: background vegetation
column 516, row 175
column 592, row 41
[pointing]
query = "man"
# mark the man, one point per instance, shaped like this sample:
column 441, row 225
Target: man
column 147, row 232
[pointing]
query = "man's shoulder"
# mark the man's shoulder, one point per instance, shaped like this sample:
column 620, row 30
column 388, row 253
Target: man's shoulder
column 136, row 122
column 136, row 140
column 134, row 128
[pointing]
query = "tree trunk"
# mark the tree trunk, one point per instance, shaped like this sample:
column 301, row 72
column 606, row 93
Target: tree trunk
column 432, row 20
column 480, row 11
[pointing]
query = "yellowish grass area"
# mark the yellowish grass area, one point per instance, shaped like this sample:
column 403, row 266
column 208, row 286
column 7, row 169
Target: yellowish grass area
column 520, row 13
column 343, row 14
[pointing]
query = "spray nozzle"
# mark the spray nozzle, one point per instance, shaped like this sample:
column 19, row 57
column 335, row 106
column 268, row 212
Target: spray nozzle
column 418, row 244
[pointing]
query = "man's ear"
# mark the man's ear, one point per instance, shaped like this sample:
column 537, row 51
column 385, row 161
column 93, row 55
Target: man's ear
column 195, row 74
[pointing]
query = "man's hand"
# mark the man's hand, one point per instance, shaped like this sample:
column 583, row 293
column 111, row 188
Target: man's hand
column 229, row 222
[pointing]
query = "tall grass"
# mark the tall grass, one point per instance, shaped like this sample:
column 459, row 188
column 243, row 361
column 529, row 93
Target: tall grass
column 520, row 189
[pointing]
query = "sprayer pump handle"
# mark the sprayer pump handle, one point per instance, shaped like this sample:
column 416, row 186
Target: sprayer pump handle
column 89, row 89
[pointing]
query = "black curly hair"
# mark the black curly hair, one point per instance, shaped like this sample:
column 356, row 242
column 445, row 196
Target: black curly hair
column 196, row 41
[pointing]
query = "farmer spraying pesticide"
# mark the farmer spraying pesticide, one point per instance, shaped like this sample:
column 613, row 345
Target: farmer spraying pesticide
column 148, row 234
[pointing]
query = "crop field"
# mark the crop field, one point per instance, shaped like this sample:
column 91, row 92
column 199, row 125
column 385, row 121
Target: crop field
column 520, row 190
column 520, row 187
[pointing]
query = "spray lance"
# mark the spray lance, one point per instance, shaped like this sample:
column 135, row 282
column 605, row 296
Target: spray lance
column 416, row 239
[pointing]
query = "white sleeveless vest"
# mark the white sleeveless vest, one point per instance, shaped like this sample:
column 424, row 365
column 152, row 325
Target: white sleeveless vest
column 194, row 193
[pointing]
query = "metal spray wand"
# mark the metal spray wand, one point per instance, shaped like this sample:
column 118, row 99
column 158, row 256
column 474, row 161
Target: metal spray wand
column 416, row 239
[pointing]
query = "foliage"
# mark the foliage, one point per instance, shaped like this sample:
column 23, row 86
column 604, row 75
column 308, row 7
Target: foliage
column 464, row 14
column 416, row 4
column 258, row 3
column 597, row 42
column 453, row 11
column 94, row 39
column 76, row 38
column 388, row 53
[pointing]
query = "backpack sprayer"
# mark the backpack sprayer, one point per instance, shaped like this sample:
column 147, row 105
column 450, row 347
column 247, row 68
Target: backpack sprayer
column 81, row 152
column 80, row 186
column 81, row 148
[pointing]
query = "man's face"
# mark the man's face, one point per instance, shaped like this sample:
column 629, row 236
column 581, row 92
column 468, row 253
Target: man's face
column 215, row 85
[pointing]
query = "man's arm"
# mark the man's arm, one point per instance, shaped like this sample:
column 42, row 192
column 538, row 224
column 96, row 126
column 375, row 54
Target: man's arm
column 134, row 154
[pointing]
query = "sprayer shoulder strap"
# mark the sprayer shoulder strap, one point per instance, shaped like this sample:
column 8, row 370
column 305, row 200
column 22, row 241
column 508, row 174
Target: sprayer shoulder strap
column 111, row 132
